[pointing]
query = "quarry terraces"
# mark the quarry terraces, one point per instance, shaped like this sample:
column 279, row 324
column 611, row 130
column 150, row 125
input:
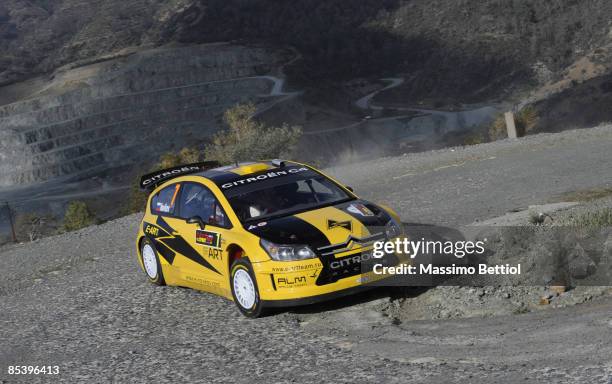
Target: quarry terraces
column 121, row 111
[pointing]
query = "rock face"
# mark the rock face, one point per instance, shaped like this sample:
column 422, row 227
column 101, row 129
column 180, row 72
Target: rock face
column 124, row 110
column 85, row 83
column 40, row 35
column 451, row 49
column 468, row 50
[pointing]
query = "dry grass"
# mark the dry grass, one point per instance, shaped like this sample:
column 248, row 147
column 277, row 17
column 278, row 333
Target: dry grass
column 473, row 139
column 583, row 195
column 597, row 219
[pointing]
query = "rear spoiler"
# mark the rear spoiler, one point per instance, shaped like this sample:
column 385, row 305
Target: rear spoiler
column 152, row 180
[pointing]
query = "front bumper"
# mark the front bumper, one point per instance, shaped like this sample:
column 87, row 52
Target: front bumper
column 316, row 299
column 306, row 281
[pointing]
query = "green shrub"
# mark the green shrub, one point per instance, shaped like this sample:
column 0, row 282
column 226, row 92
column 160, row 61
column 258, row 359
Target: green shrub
column 247, row 139
column 78, row 216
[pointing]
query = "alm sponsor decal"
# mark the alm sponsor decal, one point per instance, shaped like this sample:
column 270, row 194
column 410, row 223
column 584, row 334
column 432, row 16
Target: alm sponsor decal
column 297, row 281
column 264, row 176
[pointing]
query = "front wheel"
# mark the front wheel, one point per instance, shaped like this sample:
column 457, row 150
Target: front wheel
column 244, row 289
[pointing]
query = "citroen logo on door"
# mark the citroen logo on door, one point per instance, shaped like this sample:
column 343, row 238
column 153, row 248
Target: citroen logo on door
column 331, row 224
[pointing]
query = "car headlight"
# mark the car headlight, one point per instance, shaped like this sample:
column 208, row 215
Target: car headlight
column 287, row 252
column 393, row 229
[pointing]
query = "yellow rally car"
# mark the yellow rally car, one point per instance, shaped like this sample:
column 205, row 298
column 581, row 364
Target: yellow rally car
column 262, row 234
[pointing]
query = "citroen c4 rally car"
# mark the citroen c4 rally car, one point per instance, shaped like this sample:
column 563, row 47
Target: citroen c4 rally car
column 263, row 234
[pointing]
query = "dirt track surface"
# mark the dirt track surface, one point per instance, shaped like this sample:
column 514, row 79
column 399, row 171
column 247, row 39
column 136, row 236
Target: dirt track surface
column 460, row 185
column 80, row 301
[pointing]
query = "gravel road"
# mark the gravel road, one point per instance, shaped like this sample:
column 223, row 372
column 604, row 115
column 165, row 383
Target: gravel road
column 79, row 301
column 458, row 186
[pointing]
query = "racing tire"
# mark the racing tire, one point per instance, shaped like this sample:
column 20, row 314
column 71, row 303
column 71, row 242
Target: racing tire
column 150, row 262
column 244, row 289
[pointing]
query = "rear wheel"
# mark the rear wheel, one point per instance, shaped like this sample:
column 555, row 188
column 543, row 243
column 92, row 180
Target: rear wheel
column 244, row 288
column 150, row 262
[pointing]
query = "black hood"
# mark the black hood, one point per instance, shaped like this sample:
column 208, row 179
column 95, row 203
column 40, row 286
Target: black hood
column 295, row 230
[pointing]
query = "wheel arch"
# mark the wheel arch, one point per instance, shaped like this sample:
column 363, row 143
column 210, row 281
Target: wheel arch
column 234, row 252
column 139, row 244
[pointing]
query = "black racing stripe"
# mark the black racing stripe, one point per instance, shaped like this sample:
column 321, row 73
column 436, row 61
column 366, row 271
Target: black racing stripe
column 273, row 282
column 290, row 230
column 166, row 252
column 180, row 245
column 164, row 225
column 162, row 232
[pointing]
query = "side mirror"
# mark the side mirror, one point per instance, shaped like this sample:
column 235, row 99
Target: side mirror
column 196, row 220
column 349, row 188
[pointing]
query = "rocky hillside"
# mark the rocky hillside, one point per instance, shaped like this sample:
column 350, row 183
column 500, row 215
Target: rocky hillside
column 469, row 50
column 84, row 82
column 127, row 111
column 40, row 35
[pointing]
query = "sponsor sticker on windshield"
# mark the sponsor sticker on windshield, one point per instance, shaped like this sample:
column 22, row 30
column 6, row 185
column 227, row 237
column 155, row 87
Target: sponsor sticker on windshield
column 162, row 207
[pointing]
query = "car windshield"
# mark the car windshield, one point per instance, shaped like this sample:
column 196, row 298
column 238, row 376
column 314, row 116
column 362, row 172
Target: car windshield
column 284, row 195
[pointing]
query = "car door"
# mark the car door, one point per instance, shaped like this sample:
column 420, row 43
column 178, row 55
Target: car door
column 169, row 228
column 203, row 226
